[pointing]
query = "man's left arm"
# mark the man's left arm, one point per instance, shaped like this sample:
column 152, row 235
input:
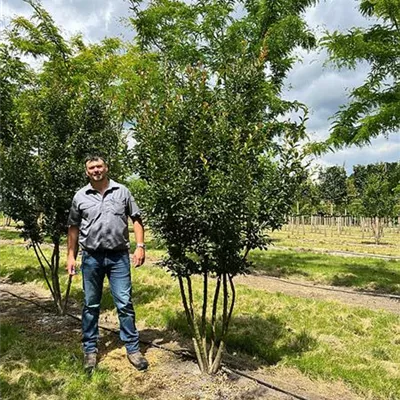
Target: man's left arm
column 134, row 212
column 140, row 254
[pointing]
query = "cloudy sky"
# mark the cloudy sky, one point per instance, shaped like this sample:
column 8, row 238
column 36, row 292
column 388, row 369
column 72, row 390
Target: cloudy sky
column 320, row 87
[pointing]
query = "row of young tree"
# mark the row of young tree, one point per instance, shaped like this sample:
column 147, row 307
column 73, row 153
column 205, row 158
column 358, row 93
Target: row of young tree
column 371, row 190
column 201, row 88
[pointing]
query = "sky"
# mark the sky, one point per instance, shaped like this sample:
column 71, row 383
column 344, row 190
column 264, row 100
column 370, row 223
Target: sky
column 319, row 86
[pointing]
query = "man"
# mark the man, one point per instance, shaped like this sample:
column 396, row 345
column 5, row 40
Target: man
column 99, row 217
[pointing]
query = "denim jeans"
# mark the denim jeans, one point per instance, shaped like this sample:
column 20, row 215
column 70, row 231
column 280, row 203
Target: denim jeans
column 116, row 265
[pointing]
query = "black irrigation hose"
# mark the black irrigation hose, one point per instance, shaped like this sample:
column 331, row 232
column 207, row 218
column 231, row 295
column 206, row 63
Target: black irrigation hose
column 180, row 353
column 363, row 293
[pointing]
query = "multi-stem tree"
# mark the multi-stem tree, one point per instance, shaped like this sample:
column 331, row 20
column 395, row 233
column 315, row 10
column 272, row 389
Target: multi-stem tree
column 219, row 158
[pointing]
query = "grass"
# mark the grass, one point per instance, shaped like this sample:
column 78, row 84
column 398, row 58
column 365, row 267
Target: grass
column 11, row 234
column 351, row 239
column 19, row 264
column 358, row 272
column 361, row 273
column 322, row 339
column 31, row 367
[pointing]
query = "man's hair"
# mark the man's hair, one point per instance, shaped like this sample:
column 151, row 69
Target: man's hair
column 95, row 158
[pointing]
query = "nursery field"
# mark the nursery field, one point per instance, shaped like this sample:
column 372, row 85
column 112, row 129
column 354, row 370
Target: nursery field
column 316, row 347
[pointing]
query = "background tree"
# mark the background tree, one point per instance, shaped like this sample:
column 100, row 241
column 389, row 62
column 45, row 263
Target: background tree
column 332, row 185
column 308, row 196
column 378, row 201
column 374, row 108
column 53, row 118
column 378, row 194
column 354, row 206
column 220, row 164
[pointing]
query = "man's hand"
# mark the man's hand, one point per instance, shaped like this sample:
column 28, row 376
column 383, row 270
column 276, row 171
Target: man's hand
column 71, row 266
column 139, row 256
column 73, row 232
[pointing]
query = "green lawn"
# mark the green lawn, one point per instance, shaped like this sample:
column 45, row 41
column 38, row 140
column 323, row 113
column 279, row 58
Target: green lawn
column 322, row 339
column 358, row 272
column 351, row 239
column 36, row 367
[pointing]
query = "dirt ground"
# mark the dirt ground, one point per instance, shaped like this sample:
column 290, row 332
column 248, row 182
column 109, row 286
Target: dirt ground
column 170, row 376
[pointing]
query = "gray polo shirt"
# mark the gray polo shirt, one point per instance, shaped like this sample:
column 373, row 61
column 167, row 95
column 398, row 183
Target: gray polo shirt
column 103, row 220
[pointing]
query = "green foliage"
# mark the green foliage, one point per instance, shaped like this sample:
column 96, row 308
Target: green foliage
column 377, row 188
column 220, row 163
column 308, row 196
column 208, row 130
column 377, row 198
column 59, row 114
column 332, row 185
column 53, row 118
column 374, row 107
column 372, row 190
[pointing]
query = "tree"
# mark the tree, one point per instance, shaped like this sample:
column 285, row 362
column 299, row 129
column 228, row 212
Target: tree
column 378, row 201
column 220, row 162
column 333, row 186
column 374, row 108
column 377, row 186
column 53, row 118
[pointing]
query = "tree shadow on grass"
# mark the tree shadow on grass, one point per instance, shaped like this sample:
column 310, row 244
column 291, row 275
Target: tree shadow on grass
column 252, row 341
column 359, row 273
column 23, row 275
column 278, row 265
column 10, row 234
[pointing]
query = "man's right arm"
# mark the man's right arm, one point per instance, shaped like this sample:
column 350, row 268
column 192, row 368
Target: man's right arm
column 73, row 233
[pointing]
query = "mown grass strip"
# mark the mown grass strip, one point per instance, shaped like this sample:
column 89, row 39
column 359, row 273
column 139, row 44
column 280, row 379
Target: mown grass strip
column 362, row 273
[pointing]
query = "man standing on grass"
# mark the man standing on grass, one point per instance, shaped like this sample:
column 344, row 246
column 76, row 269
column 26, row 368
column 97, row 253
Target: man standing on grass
column 99, row 218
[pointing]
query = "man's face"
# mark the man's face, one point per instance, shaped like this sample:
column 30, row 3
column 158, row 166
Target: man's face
column 96, row 170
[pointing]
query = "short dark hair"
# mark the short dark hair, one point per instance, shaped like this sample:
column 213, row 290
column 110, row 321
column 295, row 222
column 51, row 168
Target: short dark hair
column 95, row 158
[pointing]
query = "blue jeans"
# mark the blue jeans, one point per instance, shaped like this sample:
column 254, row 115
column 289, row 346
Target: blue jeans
column 116, row 265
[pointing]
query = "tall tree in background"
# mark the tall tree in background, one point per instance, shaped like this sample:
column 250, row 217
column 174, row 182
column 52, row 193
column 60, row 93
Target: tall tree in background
column 378, row 200
column 220, row 162
column 378, row 192
column 333, row 188
column 52, row 118
column 374, row 107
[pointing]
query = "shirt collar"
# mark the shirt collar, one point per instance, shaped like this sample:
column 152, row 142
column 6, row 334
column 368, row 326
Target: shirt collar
column 111, row 186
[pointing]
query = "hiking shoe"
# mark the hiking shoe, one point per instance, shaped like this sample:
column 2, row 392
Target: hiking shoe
column 138, row 361
column 89, row 362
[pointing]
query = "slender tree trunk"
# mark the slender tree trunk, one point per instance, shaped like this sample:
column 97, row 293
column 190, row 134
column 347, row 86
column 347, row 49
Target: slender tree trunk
column 209, row 355
column 214, row 321
column 226, row 317
column 53, row 283
column 190, row 316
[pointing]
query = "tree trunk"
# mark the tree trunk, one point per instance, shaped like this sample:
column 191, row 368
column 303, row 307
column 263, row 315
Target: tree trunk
column 209, row 355
column 53, row 282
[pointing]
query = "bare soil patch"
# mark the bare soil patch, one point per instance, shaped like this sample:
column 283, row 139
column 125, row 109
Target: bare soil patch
column 169, row 376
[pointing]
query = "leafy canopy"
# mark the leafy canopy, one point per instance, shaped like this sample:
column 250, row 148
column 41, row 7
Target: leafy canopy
column 53, row 117
column 219, row 160
column 374, row 107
